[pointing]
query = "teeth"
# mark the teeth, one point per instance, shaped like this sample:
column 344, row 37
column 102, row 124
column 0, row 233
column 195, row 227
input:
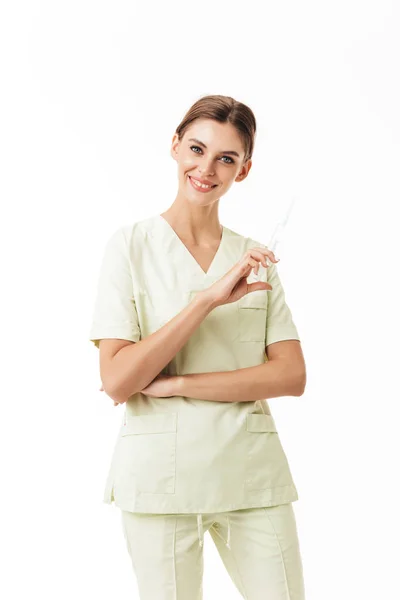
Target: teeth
column 200, row 184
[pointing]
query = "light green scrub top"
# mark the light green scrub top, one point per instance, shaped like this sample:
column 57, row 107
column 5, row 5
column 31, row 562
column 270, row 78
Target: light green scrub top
column 181, row 454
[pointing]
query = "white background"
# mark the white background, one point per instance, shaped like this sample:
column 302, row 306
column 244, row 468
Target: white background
column 91, row 95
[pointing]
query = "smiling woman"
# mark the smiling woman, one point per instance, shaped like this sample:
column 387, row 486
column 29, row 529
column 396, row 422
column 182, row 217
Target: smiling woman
column 198, row 440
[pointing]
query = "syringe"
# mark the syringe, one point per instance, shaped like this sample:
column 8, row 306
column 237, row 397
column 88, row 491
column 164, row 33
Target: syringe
column 276, row 238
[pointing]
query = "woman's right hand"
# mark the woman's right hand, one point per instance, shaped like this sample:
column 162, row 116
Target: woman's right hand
column 233, row 286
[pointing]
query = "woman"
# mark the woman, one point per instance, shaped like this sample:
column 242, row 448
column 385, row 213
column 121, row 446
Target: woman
column 194, row 344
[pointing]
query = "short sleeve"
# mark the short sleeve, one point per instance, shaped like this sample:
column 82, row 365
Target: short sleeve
column 114, row 314
column 280, row 325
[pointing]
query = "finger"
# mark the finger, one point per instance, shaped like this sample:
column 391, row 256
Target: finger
column 259, row 285
column 256, row 264
column 263, row 255
column 253, row 263
column 267, row 252
column 258, row 256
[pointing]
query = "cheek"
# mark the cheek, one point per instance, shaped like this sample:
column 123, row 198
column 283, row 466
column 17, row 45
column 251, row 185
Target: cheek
column 187, row 162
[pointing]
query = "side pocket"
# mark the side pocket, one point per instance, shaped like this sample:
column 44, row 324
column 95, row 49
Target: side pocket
column 267, row 466
column 147, row 459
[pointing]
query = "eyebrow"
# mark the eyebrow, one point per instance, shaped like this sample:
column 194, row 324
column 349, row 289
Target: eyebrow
column 204, row 146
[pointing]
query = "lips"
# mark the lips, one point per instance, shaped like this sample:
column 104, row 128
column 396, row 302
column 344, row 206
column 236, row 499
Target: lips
column 203, row 182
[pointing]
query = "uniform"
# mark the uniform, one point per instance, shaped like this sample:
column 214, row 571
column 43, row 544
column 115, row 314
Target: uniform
column 180, row 455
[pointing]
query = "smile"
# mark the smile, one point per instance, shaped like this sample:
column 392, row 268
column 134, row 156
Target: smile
column 200, row 186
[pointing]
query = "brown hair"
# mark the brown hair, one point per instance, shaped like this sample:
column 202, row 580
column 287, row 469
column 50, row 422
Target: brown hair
column 225, row 110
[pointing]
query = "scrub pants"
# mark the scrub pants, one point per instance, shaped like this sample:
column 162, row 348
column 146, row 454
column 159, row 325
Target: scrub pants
column 258, row 546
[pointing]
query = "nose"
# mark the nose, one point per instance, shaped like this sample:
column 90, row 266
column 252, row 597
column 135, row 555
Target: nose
column 206, row 167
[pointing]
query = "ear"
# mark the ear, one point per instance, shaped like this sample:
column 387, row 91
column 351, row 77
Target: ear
column 244, row 171
column 174, row 146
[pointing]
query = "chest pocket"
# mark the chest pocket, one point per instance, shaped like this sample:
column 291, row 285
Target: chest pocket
column 252, row 310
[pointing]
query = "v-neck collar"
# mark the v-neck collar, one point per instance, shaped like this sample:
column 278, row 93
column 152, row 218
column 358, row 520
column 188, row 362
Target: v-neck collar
column 214, row 262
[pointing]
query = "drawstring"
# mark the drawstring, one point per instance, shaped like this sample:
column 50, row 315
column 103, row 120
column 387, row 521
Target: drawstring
column 229, row 533
column 201, row 532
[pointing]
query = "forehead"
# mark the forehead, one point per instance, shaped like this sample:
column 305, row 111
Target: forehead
column 215, row 135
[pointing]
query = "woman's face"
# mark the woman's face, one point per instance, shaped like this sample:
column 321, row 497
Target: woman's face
column 210, row 151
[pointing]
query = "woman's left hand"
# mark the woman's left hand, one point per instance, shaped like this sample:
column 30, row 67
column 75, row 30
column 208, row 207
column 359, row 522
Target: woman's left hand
column 162, row 386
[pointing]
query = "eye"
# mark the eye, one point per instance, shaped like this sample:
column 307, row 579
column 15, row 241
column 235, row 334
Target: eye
column 228, row 157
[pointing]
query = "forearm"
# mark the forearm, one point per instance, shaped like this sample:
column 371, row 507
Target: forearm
column 269, row 380
column 136, row 365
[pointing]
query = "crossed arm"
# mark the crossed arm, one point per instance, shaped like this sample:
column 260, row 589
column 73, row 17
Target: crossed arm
column 127, row 368
column 283, row 375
